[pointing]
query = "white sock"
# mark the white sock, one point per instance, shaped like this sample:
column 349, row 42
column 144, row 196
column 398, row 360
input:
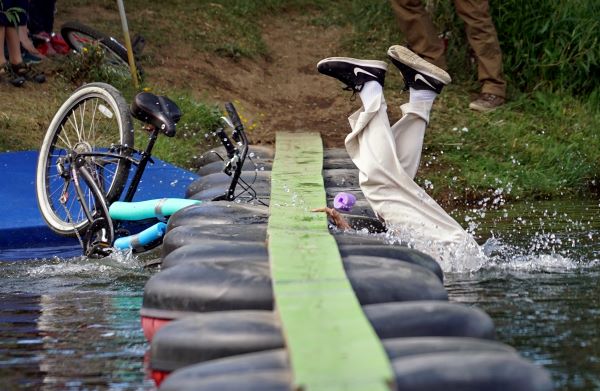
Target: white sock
column 421, row 95
column 370, row 92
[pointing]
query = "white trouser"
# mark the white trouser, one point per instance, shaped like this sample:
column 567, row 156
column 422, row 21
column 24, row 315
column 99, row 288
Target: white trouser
column 387, row 159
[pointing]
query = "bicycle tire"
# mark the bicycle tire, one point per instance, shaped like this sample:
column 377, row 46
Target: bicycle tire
column 112, row 125
column 78, row 35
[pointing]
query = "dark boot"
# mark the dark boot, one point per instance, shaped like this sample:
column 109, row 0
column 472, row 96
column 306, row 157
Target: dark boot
column 6, row 74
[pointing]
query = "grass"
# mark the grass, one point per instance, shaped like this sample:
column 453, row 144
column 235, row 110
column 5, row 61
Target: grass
column 540, row 146
column 543, row 144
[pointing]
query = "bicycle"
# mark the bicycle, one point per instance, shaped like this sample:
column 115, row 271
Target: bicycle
column 88, row 150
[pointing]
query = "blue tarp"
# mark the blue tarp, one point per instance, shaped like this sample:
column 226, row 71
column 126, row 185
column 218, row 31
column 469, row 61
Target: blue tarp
column 23, row 232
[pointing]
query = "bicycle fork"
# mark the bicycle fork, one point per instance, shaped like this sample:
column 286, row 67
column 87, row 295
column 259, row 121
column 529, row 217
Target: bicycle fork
column 99, row 231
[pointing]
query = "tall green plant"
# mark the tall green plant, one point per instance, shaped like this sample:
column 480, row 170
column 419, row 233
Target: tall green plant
column 550, row 43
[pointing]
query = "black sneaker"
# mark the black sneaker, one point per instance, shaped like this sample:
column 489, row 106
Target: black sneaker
column 7, row 74
column 352, row 72
column 28, row 72
column 418, row 73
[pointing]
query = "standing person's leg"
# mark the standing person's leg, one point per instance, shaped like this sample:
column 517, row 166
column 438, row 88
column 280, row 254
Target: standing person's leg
column 2, row 34
column 421, row 35
column 27, row 42
column 14, row 45
column 22, row 30
column 41, row 16
column 5, row 70
column 18, row 67
column 483, row 39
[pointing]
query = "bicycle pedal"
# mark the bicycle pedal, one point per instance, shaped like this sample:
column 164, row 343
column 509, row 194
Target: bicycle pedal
column 99, row 250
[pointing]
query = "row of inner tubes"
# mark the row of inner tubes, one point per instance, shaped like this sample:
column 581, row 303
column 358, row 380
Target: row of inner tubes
column 209, row 313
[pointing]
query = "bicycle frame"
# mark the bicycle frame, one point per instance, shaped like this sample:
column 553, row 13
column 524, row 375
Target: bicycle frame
column 97, row 233
column 146, row 156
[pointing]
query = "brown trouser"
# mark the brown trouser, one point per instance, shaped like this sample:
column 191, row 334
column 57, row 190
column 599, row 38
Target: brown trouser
column 423, row 39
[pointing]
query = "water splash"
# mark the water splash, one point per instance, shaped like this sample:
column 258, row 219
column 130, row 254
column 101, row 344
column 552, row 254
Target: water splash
column 462, row 256
column 507, row 257
column 549, row 237
column 59, row 274
column 536, row 237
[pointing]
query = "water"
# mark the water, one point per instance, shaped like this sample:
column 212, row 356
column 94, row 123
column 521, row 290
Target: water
column 74, row 324
column 71, row 324
column 541, row 285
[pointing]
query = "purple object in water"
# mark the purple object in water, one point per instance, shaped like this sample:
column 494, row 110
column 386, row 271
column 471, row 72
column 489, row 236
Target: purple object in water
column 344, row 201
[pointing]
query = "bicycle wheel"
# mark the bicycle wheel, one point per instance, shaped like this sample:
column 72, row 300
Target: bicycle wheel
column 95, row 118
column 78, row 35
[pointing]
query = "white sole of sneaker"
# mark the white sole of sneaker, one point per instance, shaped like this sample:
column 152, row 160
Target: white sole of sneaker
column 357, row 62
column 410, row 58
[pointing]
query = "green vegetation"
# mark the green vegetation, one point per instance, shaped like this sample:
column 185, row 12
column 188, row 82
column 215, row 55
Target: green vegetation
column 79, row 68
column 543, row 144
column 551, row 44
column 230, row 28
column 194, row 130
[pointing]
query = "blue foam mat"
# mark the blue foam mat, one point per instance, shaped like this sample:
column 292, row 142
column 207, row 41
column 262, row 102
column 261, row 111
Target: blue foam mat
column 23, row 232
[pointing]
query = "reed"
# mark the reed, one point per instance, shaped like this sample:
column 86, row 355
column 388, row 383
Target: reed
column 546, row 45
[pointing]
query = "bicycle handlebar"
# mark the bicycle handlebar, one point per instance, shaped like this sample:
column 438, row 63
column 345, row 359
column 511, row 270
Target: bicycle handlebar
column 236, row 154
column 226, row 142
column 235, row 119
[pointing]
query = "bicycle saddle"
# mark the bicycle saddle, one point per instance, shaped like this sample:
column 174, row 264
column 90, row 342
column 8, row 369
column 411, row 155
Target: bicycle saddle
column 159, row 111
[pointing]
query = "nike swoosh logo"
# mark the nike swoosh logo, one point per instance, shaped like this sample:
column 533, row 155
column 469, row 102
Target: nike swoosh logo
column 360, row 70
column 418, row 77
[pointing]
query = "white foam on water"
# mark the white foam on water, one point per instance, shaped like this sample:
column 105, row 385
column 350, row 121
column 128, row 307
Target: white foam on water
column 117, row 263
column 459, row 257
column 456, row 257
column 523, row 249
column 534, row 258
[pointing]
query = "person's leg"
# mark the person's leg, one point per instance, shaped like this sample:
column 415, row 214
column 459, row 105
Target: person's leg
column 2, row 56
column 19, row 68
column 41, row 16
column 406, row 208
column 421, row 35
column 483, row 39
column 5, row 69
column 26, row 41
column 14, row 45
column 424, row 81
column 409, row 132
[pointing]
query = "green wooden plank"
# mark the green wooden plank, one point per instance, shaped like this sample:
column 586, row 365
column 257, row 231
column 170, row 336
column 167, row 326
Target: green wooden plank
column 331, row 344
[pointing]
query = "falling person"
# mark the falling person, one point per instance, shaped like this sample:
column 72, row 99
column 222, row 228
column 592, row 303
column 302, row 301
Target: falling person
column 388, row 156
